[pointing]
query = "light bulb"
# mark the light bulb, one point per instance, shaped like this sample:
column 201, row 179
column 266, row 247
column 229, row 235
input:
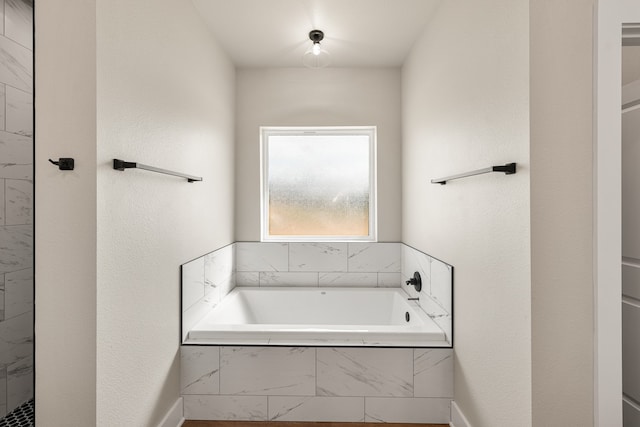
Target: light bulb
column 315, row 49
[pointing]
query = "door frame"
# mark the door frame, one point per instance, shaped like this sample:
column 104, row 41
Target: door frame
column 610, row 16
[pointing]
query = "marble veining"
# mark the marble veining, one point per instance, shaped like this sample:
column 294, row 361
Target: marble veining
column 1, row 32
column 16, row 63
column 267, row 370
column 19, row 204
column 19, row 382
column 16, row 160
column 16, row 203
column 2, row 203
column 3, row 104
column 16, row 251
column 219, row 266
column 433, row 373
column 437, row 313
column 2, row 297
column 19, row 21
column 16, row 338
column 378, row 257
column 318, row 409
column 365, row 372
column 254, row 256
column 192, row 282
column 211, row 407
column 18, row 293
column 441, row 283
column 348, row 384
column 268, row 278
column 348, row 279
column 414, row 260
column 19, row 112
column 389, row 280
column 430, row 369
column 200, row 372
column 321, row 257
column 3, row 391
column 192, row 315
column 247, row 278
column 410, row 410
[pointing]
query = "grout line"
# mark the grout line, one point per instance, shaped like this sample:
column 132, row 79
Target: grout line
column 219, row 370
column 364, row 406
column 4, row 196
column 413, row 373
column 288, row 257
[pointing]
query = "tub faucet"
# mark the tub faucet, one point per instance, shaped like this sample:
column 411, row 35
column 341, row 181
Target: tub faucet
column 416, row 281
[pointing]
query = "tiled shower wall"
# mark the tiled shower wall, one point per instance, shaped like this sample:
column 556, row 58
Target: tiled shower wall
column 16, row 204
column 307, row 383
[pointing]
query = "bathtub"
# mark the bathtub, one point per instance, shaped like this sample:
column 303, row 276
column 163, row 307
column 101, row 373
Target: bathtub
column 317, row 317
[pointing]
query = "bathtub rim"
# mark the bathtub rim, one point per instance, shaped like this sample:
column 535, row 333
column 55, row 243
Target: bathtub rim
column 306, row 342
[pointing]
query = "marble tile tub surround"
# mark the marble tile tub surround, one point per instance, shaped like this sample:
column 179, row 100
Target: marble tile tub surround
column 318, row 264
column 204, row 282
column 317, row 384
column 436, row 296
column 16, row 204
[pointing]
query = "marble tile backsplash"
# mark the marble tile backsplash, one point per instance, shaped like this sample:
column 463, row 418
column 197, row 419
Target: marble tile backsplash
column 318, row 264
column 436, row 295
column 317, row 384
column 16, row 204
column 204, row 282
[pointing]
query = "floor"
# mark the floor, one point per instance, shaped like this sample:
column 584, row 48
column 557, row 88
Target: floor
column 22, row 416
column 191, row 423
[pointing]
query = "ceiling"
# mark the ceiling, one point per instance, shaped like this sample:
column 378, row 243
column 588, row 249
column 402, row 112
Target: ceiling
column 358, row 33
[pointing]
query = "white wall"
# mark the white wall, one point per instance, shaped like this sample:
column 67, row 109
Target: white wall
column 465, row 107
column 165, row 98
column 148, row 83
column 65, row 220
column 562, row 212
column 317, row 97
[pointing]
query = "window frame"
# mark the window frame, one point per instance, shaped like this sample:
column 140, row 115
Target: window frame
column 267, row 131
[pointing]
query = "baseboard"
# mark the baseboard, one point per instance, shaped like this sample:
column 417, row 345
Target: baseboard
column 175, row 415
column 457, row 417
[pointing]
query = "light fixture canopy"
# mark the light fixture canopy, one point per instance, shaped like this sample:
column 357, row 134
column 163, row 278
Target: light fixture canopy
column 316, row 56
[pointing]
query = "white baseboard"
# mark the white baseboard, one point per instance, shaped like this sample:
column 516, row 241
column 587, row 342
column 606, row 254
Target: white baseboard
column 175, row 416
column 457, row 417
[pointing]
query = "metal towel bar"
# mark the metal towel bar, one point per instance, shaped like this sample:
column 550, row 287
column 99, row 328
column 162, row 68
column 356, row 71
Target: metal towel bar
column 121, row 165
column 508, row 169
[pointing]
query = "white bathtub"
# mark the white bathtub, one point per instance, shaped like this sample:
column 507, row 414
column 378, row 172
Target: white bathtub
column 318, row 316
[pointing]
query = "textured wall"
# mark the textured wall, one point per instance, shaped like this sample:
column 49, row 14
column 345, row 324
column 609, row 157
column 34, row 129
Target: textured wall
column 65, row 217
column 165, row 98
column 317, row 97
column 562, row 224
column 465, row 107
column 16, row 203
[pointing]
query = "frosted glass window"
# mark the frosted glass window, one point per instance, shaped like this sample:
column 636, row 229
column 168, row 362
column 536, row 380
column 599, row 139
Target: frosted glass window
column 318, row 184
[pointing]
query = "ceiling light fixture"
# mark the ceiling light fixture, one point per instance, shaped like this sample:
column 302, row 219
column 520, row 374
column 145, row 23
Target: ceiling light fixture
column 316, row 56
